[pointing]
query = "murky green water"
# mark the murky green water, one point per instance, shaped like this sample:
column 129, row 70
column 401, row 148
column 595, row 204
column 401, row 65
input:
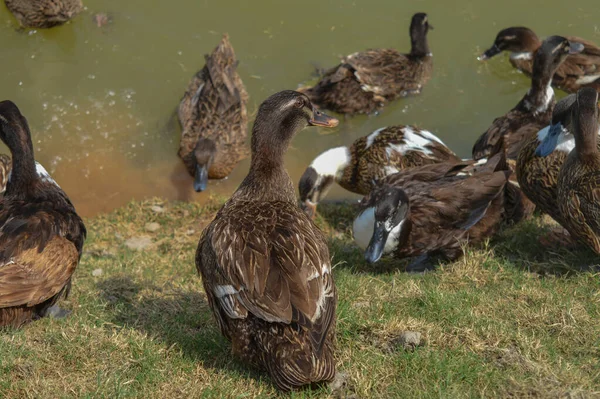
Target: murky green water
column 101, row 101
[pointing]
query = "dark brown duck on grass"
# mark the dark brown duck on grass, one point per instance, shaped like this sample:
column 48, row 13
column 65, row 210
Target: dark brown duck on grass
column 578, row 70
column 363, row 82
column 213, row 118
column 43, row 13
column 579, row 178
column 265, row 266
column 428, row 212
column 370, row 158
column 41, row 235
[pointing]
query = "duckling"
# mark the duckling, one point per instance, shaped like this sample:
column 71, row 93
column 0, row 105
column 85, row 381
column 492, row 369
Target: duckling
column 534, row 111
column 5, row 168
column 429, row 211
column 363, row 82
column 265, row 266
column 579, row 177
column 43, row 13
column 41, row 235
column 370, row 158
column 582, row 69
column 213, row 118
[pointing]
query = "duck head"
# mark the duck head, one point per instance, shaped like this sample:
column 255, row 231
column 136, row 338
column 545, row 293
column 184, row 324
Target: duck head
column 204, row 155
column 319, row 177
column 379, row 226
column 419, row 26
column 516, row 39
column 585, row 122
column 553, row 51
column 14, row 130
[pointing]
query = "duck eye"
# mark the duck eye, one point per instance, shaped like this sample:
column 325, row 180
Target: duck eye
column 299, row 103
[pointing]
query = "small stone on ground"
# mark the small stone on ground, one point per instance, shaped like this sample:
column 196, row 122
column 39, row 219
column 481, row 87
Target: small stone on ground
column 152, row 227
column 138, row 243
column 97, row 272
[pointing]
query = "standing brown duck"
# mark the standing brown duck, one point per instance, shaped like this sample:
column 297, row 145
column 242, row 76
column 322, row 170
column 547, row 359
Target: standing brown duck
column 265, row 266
column 579, row 178
column 213, row 118
column 578, row 70
column 43, row 13
column 385, row 151
column 363, row 82
column 41, row 235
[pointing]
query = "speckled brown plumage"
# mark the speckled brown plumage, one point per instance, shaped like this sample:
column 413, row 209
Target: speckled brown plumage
column 578, row 70
column 363, row 82
column 579, row 177
column 448, row 204
column 44, row 13
column 371, row 158
column 41, row 235
column 214, row 108
column 5, row 168
column 265, row 266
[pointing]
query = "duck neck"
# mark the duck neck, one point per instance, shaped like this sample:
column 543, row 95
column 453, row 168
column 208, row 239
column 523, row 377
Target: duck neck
column 418, row 45
column 23, row 169
column 540, row 97
column 267, row 179
column 585, row 144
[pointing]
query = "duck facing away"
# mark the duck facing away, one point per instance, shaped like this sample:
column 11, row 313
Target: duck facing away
column 534, row 111
column 41, row 235
column 430, row 211
column 385, row 151
column 363, row 82
column 213, row 118
column 540, row 160
column 43, row 13
column 579, row 177
column 581, row 69
column 264, row 264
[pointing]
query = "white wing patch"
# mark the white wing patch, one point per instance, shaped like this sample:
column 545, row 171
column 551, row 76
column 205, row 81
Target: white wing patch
column 371, row 137
column 43, row 174
column 414, row 141
column 587, row 79
column 332, row 162
column 526, row 55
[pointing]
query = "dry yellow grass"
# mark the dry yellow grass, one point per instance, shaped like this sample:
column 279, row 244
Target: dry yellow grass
column 511, row 319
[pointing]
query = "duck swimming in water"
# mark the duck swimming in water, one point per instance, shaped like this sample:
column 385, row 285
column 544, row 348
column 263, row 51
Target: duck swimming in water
column 41, row 235
column 265, row 266
column 43, row 13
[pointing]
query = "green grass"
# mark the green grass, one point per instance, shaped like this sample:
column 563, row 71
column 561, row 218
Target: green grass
column 511, row 319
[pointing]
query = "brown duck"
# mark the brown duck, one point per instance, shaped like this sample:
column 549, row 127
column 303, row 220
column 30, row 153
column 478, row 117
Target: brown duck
column 578, row 70
column 430, row 211
column 363, row 82
column 41, row 235
column 540, row 160
column 385, row 151
column 43, row 13
column 265, row 266
column 579, row 177
column 213, row 118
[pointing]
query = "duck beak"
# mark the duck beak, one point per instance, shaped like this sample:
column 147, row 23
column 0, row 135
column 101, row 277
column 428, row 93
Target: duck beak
column 492, row 51
column 575, row 48
column 310, row 208
column 375, row 249
column 321, row 119
column 200, row 178
column 550, row 142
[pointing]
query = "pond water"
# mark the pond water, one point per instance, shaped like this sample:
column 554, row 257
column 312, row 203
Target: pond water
column 101, row 101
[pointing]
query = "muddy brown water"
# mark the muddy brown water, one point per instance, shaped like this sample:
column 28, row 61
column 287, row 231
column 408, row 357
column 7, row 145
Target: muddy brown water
column 101, row 101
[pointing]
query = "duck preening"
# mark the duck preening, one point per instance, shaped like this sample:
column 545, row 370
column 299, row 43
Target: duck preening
column 385, row 151
column 428, row 212
column 579, row 177
column 363, row 82
column 264, row 264
column 43, row 13
column 41, row 235
column 578, row 70
column 213, row 118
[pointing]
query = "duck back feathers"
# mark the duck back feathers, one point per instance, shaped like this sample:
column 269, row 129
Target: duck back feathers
column 41, row 235
column 214, row 108
column 44, row 13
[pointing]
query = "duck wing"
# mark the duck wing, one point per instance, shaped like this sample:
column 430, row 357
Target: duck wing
column 274, row 263
column 32, row 277
column 381, row 71
column 584, row 202
column 585, row 63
